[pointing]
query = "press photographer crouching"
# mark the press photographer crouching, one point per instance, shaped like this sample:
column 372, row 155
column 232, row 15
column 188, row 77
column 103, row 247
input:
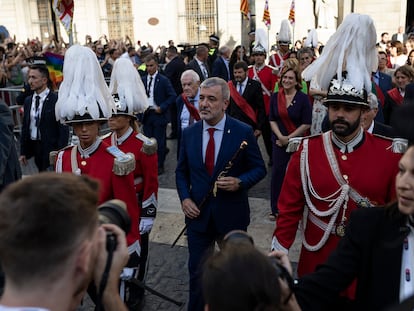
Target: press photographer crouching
column 52, row 245
column 240, row 277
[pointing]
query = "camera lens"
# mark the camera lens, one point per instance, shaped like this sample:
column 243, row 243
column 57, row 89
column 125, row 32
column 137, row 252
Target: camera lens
column 114, row 212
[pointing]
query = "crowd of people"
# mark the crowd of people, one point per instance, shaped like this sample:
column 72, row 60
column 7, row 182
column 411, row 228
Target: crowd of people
column 335, row 122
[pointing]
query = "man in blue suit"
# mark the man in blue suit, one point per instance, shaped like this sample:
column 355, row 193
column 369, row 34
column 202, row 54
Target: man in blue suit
column 205, row 150
column 220, row 66
column 161, row 95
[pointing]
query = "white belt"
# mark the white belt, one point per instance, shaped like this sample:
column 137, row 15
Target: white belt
column 320, row 224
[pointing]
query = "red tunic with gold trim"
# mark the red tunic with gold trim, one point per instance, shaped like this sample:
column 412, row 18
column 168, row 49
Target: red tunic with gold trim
column 145, row 173
column 267, row 79
column 99, row 165
column 370, row 169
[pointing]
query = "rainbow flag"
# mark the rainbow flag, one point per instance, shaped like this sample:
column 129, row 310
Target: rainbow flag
column 245, row 9
column 291, row 17
column 266, row 15
column 54, row 63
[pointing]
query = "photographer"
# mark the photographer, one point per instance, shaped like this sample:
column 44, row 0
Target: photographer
column 242, row 278
column 52, row 247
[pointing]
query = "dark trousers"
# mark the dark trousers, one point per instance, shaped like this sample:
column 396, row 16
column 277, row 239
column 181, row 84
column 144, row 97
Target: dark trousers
column 41, row 160
column 280, row 160
column 267, row 138
column 200, row 246
column 155, row 125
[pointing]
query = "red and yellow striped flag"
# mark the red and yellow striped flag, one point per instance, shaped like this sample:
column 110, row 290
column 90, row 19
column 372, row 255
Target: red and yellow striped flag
column 266, row 15
column 291, row 17
column 244, row 8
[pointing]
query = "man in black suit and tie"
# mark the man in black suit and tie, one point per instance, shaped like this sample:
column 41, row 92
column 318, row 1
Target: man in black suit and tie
column 199, row 62
column 161, row 96
column 246, row 100
column 41, row 132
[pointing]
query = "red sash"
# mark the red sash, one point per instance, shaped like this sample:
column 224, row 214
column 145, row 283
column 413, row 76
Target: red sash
column 283, row 112
column 380, row 94
column 396, row 96
column 242, row 103
column 191, row 108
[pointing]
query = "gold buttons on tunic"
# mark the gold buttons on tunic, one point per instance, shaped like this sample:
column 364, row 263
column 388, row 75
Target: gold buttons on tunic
column 83, row 163
column 344, row 157
column 345, row 177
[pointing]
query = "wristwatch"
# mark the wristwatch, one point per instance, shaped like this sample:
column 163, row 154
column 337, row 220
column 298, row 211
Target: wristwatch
column 240, row 183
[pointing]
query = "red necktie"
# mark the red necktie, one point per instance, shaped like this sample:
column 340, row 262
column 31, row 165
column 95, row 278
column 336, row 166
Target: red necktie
column 210, row 151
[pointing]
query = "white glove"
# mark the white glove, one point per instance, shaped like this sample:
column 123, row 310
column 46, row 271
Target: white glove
column 145, row 224
column 277, row 247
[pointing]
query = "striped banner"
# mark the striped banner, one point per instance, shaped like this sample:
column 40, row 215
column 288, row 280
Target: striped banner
column 291, row 17
column 245, row 9
column 266, row 15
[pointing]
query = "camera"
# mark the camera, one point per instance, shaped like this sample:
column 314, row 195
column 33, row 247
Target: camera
column 114, row 212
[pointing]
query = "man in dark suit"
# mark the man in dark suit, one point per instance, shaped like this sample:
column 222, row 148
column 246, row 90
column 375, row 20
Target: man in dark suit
column 160, row 96
column 173, row 71
column 220, row 67
column 187, row 103
column 246, row 99
column 370, row 124
column 214, row 197
column 400, row 35
column 199, row 62
column 41, row 132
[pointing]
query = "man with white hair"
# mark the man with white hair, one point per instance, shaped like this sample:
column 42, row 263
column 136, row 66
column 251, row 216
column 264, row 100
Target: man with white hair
column 369, row 123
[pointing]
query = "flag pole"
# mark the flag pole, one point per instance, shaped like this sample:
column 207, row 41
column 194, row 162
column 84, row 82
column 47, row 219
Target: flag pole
column 54, row 21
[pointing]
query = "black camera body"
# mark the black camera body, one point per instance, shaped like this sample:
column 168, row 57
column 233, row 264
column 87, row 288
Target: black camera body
column 114, row 212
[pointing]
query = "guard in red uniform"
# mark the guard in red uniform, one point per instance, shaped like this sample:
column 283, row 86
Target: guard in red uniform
column 267, row 79
column 85, row 107
column 331, row 175
column 284, row 39
column 130, row 98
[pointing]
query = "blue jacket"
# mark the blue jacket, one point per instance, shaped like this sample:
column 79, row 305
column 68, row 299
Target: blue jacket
column 229, row 210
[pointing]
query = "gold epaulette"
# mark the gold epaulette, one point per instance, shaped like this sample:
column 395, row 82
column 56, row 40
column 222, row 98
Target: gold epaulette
column 295, row 142
column 53, row 154
column 149, row 146
column 398, row 145
column 124, row 163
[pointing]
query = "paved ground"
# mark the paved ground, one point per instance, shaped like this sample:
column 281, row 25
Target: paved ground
column 167, row 267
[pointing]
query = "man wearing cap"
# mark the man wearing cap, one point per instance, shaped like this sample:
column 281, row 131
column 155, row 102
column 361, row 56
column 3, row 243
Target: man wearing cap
column 130, row 98
column 263, row 74
column 92, row 156
column 213, row 44
column 331, row 175
column 284, row 36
